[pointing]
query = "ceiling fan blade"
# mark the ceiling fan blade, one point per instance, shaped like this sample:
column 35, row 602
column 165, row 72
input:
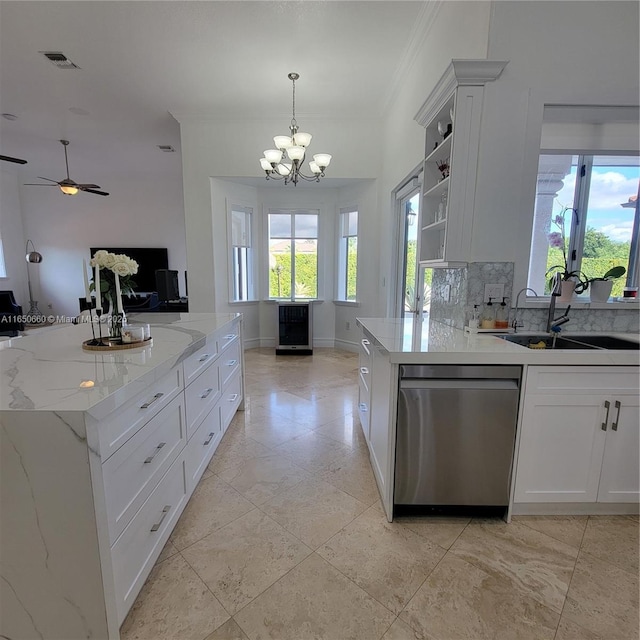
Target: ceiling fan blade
column 38, row 184
column 10, row 159
column 49, row 179
column 100, row 193
column 88, row 186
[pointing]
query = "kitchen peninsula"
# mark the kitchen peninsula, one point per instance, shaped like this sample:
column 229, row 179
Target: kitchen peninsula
column 576, row 440
column 100, row 452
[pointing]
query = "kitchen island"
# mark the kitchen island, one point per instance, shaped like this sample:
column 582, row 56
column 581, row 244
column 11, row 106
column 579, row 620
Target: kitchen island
column 100, row 452
column 576, row 442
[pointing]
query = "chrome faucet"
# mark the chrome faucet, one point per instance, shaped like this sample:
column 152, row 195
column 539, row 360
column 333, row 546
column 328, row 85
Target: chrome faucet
column 515, row 324
column 554, row 323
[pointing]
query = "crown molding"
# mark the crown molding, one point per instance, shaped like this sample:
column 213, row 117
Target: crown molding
column 460, row 72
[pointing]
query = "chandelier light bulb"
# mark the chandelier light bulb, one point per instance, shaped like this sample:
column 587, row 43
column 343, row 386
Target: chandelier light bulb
column 322, row 160
column 295, row 153
column 283, row 142
column 302, row 139
column 284, row 169
column 265, row 164
column 273, row 155
column 314, row 167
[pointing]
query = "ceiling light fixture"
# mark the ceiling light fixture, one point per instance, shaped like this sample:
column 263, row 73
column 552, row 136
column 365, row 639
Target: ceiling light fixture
column 286, row 160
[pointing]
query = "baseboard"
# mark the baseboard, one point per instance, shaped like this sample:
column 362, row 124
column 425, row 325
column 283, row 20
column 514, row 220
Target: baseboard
column 574, row 508
column 318, row 343
column 251, row 343
column 346, row 345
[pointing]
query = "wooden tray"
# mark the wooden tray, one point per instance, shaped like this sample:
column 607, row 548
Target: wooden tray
column 115, row 345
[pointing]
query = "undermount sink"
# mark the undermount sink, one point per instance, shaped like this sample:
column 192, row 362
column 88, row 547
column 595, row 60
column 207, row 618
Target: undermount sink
column 573, row 342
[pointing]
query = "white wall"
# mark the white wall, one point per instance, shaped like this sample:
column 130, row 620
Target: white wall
column 559, row 53
column 140, row 212
column 13, row 238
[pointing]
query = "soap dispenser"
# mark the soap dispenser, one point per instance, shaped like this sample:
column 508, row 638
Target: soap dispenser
column 474, row 323
column 489, row 316
column 502, row 315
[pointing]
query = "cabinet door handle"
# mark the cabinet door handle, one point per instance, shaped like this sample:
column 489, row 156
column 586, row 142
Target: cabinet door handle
column 233, row 397
column 230, row 336
column 204, row 357
column 155, row 453
column 362, row 406
column 156, row 526
column 365, row 341
column 206, row 393
column 209, row 439
column 607, row 406
column 232, row 363
column 146, row 405
column 364, row 370
column 614, row 424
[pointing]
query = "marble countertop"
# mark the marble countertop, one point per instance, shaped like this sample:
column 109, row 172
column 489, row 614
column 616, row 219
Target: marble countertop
column 414, row 342
column 44, row 371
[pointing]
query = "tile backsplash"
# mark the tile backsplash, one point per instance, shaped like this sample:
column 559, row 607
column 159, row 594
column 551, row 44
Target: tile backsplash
column 466, row 288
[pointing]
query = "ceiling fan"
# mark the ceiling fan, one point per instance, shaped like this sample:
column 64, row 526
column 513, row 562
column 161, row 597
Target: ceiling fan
column 10, row 159
column 68, row 186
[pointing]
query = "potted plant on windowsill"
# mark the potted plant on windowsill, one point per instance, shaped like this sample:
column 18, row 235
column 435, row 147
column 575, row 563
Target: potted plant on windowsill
column 601, row 287
column 572, row 281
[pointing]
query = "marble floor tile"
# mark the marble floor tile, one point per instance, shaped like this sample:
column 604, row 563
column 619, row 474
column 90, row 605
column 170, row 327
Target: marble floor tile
column 313, row 452
column 240, row 560
column 261, row 479
column 168, row 551
column 613, row 539
column 568, row 630
column 353, row 475
column 462, row 602
column 228, row 631
column 275, row 431
column 402, row 631
column 313, row 511
column 441, row 530
column 603, row 599
column 532, row 562
column 230, row 455
column 346, row 430
column 213, row 504
column 174, row 603
column 386, row 560
column 314, row 601
column 567, row 529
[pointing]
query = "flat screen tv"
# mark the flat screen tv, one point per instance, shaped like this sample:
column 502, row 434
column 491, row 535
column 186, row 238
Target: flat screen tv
column 148, row 259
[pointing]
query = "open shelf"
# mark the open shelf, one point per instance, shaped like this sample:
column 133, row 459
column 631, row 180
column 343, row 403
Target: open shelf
column 435, row 225
column 442, row 150
column 439, row 188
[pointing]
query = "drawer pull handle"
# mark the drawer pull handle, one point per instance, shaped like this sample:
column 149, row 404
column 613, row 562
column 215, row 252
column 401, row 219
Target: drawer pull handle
column 155, row 453
column 233, row 398
column 209, row 439
column 614, row 425
column 157, row 525
column 232, row 363
column 607, row 406
column 365, row 342
column 205, row 356
column 364, row 371
column 146, row 405
column 206, row 393
column 363, row 406
column 230, row 336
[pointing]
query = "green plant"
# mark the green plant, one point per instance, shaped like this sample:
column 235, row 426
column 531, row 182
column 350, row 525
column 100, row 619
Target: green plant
column 614, row 272
column 558, row 240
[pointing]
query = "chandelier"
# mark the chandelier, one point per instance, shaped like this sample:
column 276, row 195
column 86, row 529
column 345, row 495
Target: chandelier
column 286, row 160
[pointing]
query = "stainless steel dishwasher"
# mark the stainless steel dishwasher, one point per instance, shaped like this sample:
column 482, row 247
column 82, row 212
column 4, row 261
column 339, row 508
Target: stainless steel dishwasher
column 455, row 437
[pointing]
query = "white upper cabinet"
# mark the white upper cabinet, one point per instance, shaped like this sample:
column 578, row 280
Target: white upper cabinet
column 451, row 117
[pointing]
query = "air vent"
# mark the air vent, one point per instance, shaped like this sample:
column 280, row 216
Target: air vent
column 59, row 59
column 167, row 148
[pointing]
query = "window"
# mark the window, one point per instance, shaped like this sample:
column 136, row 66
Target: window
column 348, row 255
column 600, row 229
column 3, row 270
column 293, row 254
column 241, row 254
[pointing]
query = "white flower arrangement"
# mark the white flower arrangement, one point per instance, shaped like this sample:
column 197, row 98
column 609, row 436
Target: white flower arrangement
column 114, row 264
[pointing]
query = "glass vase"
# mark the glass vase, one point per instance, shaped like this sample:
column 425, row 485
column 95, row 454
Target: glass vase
column 115, row 326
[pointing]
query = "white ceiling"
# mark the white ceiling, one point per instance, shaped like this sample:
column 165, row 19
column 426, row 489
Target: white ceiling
column 141, row 61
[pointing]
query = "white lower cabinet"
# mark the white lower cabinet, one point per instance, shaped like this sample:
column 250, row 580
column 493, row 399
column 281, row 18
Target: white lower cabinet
column 579, row 439
column 364, row 389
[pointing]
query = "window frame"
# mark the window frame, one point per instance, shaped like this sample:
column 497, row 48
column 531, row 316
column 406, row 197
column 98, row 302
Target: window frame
column 3, row 264
column 292, row 237
column 249, row 255
column 342, row 272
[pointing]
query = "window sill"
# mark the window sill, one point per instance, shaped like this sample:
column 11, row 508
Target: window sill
column 276, row 300
column 243, row 302
column 543, row 303
column 346, row 303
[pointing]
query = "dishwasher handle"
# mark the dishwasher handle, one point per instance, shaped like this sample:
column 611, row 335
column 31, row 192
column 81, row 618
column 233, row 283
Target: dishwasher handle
column 510, row 385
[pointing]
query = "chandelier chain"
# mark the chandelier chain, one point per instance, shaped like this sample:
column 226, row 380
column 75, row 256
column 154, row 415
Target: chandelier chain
column 294, row 122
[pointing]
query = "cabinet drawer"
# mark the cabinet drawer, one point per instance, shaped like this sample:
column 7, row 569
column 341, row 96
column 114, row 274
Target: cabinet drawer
column 202, row 446
column 132, row 472
column 137, row 549
column 583, row 380
column 120, row 425
column 365, row 353
column 364, row 401
column 231, row 398
column 228, row 337
column 200, row 396
column 197, row 362
column 229, row 363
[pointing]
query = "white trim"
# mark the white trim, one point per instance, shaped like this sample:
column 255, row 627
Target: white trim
column 346, row 345
column 574, row 508
column 251, row 343
column 347, row 303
